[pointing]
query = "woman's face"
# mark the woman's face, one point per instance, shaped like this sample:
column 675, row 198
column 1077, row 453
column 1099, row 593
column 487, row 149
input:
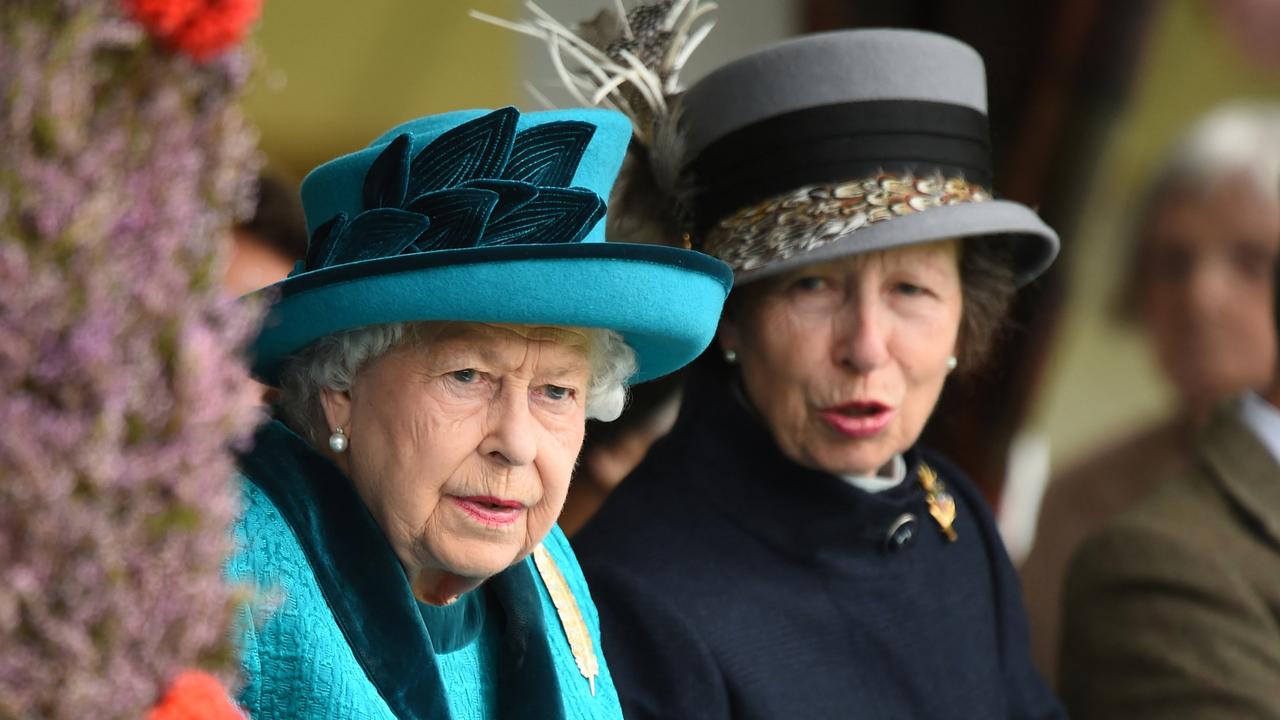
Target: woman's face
column 845, row 359
column 1206, row 292
column 462, row 445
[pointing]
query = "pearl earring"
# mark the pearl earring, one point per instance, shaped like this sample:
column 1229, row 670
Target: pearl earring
column 952, row 362
column 730, row 356
column 338, row 440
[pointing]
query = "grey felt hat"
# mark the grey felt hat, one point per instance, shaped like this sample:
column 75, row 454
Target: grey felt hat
column 841, row 143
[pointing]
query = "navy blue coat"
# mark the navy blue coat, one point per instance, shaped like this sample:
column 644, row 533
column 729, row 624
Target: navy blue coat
column 733, row 583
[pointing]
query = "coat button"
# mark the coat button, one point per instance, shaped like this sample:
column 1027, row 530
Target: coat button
column 901, row 532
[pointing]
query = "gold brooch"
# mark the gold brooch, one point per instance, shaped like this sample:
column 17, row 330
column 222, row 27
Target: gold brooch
column 575, row 630
column 941, row 505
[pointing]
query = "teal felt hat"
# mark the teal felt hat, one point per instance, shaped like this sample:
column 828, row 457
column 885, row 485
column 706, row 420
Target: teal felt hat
column 488, row 216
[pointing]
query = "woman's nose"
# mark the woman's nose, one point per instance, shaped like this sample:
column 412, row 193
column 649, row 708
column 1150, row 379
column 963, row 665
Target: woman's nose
column 511, row 437
column 860, row 338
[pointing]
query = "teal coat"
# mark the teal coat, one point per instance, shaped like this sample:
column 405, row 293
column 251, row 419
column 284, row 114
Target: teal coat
column 330, row 627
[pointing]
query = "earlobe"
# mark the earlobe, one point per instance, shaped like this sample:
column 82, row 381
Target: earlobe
column 728, row 338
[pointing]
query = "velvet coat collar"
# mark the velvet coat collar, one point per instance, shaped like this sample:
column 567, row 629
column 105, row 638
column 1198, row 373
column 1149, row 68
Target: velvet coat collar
column 366, row 589
column 767, row 494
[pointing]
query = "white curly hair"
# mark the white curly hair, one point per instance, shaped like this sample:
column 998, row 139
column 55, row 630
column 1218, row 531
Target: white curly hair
column 334, row 360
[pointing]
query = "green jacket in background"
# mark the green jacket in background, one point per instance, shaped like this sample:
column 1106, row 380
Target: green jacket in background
column 1172, row 611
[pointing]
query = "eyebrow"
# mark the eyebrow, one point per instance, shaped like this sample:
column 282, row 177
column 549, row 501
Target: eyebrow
column 464, row 347
column 560, row 371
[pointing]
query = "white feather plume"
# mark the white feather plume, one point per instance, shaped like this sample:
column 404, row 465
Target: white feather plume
column 630, row 60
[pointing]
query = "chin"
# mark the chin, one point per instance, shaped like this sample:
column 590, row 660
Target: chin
column 854, row 461
column 480, row 559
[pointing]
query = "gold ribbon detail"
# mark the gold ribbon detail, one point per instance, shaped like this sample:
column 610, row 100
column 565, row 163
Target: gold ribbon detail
column 575, row 629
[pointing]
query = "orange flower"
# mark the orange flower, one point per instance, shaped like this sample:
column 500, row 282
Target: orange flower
column 195, row 696
column 199, row 28
column 161, row 17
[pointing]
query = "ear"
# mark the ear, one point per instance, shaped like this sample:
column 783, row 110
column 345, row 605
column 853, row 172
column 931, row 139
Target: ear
column 337, row 407
column 728, row 335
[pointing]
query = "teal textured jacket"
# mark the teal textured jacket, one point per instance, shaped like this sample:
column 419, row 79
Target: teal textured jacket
column 331, row 629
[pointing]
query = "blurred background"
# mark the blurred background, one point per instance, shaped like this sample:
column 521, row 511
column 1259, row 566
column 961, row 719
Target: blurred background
column 1085, row 98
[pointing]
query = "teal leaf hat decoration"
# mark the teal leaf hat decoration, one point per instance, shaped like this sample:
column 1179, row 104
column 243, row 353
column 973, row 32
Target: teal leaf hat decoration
column 460, row 216
column 512, row 195
column 476, row 149
column 387, row 182
column 320, row 250
column 479, row 184
column 565, row 214
column 377, row 233
column 551, row 156
column 488, row 216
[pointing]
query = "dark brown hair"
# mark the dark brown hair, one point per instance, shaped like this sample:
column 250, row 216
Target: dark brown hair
column 987, row 281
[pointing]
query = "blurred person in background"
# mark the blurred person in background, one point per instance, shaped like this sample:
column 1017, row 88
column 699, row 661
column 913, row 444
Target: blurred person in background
column 1173, row 609
column 1199, row 285
column 265, row 247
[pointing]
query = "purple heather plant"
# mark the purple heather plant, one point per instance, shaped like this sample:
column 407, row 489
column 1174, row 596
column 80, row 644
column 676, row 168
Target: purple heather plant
column 122, row 394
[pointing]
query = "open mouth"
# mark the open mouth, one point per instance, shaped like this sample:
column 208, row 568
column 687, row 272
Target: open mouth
column 858, row 419
column 860, row 409
column 494, row 503
column 490, row 511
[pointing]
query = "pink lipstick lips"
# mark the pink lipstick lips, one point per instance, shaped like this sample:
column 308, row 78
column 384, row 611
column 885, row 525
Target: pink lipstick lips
column 491, row 511
column 858, row 419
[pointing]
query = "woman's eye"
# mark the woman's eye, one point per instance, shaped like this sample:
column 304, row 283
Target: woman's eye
column 464, row 376
column 555, row 392
column 810, row 284
column 909, row 289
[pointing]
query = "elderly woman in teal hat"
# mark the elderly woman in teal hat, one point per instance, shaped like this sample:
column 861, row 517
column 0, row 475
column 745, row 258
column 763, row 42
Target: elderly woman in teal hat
column 457, row 319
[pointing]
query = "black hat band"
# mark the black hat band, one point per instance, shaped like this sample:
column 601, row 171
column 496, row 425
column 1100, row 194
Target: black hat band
column 832, row 143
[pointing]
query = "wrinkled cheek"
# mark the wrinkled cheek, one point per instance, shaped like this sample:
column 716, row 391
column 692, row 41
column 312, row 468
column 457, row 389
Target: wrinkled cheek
column 804, row 429
column 433, row 533
column 555, row 475
column 791, row 424
column 541, row 518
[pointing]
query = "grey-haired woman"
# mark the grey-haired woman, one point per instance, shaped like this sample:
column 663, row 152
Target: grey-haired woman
column 438, row 352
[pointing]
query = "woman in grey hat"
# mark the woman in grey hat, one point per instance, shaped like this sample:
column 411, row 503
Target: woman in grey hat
column 787, row 551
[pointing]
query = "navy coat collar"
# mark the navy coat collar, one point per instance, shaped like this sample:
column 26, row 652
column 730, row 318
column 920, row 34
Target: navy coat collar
column 367, row 590
column 766, row 494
